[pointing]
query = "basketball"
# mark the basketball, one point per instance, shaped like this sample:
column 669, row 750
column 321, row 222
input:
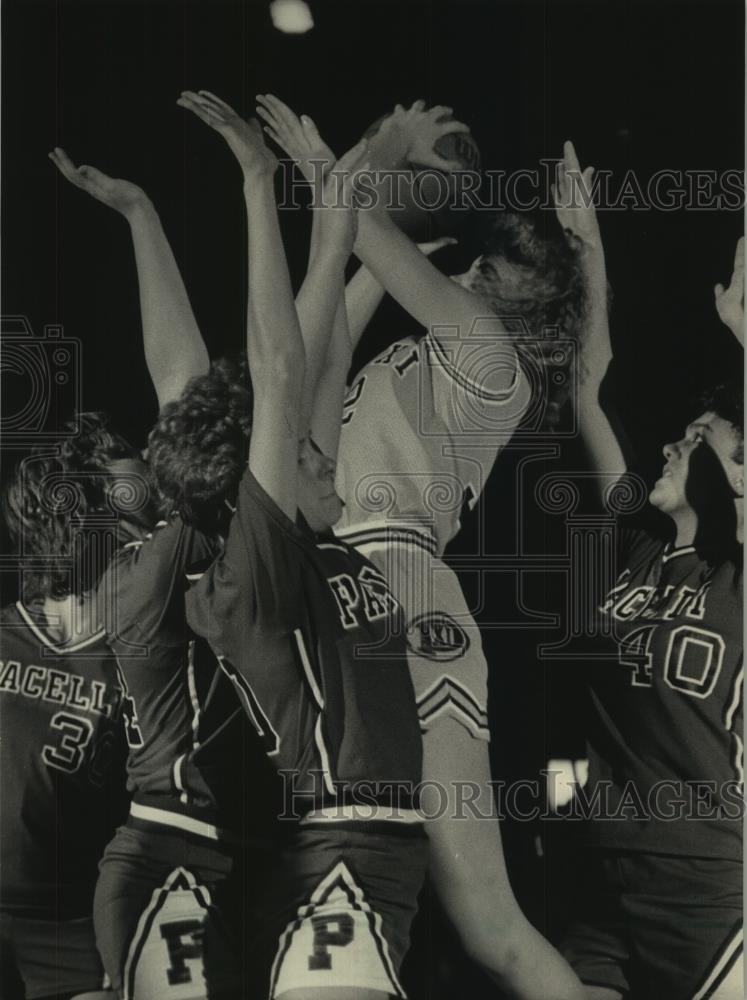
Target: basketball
column 430, row 202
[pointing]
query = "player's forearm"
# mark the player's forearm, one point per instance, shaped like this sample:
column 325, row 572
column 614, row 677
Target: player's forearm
column 598, row 435
column 596, row 348
column 273, row 333
column 340, row 350
column 389, row 147
column 326, row 418
column 174, row 348
column 363, row 295
column 274, row 350
column 409, row 277
column 316, row 304
column 736, row 326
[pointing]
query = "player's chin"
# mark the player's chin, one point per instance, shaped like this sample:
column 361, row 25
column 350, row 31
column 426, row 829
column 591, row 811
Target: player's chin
column 656, row 494
column 333, row 506
column 660, row 496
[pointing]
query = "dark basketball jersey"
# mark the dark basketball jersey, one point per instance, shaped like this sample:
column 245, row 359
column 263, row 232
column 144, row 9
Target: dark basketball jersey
column 62, row 782
column 186, row 730
column 665, row 743
column 313, row 640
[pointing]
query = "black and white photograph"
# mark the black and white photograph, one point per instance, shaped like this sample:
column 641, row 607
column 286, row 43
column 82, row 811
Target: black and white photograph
column 372, row 499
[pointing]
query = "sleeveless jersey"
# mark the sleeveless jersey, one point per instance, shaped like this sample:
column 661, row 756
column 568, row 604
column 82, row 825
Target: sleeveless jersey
column 421, row 431
column 665, row 742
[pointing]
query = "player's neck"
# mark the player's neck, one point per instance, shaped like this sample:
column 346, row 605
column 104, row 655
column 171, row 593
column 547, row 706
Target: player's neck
column 68, row 619
column 686, row 528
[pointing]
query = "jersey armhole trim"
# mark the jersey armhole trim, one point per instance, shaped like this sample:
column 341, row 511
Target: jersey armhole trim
column 468, row 384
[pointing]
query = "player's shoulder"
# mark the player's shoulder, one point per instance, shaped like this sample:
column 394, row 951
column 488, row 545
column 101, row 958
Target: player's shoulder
column 727, row 568
column 138, row 541
column 14, row 635
column 10, row 615
column 258, row 514
column 640, row 538
column 168, row 543
column 338, row 556
column 334, row 551
column 129, row 546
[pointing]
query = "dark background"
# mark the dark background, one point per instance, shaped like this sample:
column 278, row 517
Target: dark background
column 646, row 86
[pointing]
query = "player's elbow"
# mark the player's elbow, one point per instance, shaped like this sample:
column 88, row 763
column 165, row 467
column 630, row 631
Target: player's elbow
column 497, row 946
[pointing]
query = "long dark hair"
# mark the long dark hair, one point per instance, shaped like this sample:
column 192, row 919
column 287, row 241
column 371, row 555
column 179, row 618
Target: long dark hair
column 708, row 489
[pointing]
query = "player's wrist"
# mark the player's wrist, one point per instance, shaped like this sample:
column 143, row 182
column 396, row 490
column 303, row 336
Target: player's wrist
column 257, row 174
column 389, row 148
column 140, row 209
column 589, row 248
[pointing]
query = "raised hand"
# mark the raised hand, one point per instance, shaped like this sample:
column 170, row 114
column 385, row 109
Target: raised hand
column 421, row 130
column 574, row 206
column 244, row 138
column 123, row 196
column 730, row 300
column 298, row 137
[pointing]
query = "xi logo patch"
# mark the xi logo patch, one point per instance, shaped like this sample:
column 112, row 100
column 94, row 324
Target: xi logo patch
column 437, row 637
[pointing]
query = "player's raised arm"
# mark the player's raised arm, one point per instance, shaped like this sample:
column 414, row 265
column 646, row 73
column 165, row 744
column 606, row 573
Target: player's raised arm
column 411, row 133
column 393, row 259
column 321, row 303
column 409, row 277
column 274, row 345
column 174, row 348
column 363, row 293
column 730, row 300
column 332, row 235
column 577, row 215
column 299, row 137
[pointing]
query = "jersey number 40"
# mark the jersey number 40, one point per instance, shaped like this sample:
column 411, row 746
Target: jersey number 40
column 692, row 661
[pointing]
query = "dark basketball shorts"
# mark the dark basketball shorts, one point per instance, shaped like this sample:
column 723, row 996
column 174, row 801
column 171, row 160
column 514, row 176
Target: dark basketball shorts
column 337, row 908
column 166, row 919
column 659, row 926
column 45, row 958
